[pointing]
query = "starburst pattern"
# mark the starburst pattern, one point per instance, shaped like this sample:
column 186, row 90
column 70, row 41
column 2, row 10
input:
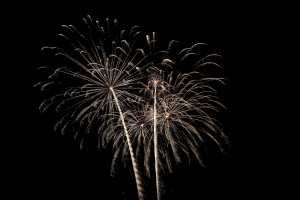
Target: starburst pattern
column 148, row 104
column 175, row 114
column 108, row 63
column 99, row 68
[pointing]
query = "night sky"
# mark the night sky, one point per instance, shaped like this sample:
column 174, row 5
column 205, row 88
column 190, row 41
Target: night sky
column 44, row 164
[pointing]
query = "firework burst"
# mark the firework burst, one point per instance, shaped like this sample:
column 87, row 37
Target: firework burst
column 173, row 119
column 108, row 63
column 147, row 104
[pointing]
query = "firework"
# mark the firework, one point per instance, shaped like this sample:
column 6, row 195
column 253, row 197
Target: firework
column 146, row 103
column 174, row 114
column 105, row 65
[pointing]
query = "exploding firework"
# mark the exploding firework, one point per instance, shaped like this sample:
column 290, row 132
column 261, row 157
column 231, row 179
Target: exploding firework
column 173, row 118
column 108, row 63
column 148, row 104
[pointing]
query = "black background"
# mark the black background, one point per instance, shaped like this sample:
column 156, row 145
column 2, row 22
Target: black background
column 41, row 164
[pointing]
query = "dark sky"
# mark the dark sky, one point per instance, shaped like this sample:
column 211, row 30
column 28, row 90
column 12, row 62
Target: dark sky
column 44, row 164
